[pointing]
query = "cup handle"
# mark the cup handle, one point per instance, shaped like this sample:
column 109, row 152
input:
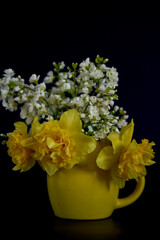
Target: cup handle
column 123, row 202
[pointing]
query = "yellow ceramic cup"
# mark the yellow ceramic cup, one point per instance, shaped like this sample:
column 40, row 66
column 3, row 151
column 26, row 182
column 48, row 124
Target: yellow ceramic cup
column 83, row 193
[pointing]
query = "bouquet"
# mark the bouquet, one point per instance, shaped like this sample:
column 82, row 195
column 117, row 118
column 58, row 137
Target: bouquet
column 70, row 115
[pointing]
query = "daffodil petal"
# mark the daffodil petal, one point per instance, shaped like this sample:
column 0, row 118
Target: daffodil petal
column 49, row 167
column 106, row 158
column 71, row 163
column 23, row 167
column 132, row 147
column 84, row 144
column 127, row 133
column 51, row 143
column 117, row 144
column 114, row 173
column 27, row 142
column 35, row 125
column 70, row 120
column 22, row 127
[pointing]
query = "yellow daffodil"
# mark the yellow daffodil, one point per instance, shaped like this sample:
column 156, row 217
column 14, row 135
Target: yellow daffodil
column 61, row 144
column 17, row 148
column 125, row 157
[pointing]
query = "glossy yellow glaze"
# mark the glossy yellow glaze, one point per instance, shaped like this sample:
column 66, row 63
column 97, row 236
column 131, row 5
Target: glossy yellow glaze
column 83, row 193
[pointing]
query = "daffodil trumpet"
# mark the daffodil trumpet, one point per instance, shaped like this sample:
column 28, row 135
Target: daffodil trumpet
column 124, row 157
column 53, row 144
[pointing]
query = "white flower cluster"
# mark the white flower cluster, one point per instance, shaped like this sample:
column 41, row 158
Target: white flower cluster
column 14, row 92
column 89, row 87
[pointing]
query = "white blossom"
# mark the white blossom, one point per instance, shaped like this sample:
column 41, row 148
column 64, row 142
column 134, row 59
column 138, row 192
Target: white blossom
column 85, row 63
column 85, row 90
column 93, row 112
column 100, row 134
column 89, row 87
column 116, row 108
column 4, row 93
column 111, row 102
column 62, row 65
column 66, row 86
column 49, row 77
column 96, row 74
column 122, row 123
column 93, row 99
column 9, row 72
column 17, row 88
column 102, row 88
column 34, row 78
column 90, row 128
column 111, row 92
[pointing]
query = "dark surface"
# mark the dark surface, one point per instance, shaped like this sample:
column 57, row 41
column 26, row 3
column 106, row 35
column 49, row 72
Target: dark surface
column 31, row 39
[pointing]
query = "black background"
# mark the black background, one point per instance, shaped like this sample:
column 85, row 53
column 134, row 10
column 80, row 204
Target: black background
column 31, row 38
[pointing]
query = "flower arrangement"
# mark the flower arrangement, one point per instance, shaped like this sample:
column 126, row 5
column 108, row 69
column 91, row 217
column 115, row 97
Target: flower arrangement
column 67, row 116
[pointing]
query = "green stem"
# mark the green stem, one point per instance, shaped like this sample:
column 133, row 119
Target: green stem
column 49, row 106
column 86, row 107
column 29, row 88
